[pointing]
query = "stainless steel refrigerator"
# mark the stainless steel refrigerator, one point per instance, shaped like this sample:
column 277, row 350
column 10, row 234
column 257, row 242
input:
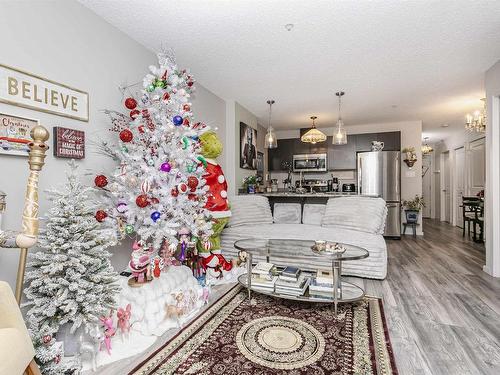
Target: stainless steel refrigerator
column 379, row 173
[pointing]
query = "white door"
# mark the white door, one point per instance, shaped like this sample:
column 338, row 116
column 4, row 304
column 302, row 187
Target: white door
column 477, row 166
column 446, row 187
column 459, row 184
column 426, row 184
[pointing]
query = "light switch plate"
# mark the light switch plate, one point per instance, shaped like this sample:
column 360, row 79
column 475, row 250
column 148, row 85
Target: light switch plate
column 410, row 174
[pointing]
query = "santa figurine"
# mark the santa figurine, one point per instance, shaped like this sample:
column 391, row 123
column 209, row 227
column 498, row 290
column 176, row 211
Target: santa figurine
column 209, row 249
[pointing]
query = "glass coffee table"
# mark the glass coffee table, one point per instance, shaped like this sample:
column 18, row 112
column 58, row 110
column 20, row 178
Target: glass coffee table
column 300, row 253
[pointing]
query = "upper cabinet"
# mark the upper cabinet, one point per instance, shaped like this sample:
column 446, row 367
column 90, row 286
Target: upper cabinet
column 340, row 157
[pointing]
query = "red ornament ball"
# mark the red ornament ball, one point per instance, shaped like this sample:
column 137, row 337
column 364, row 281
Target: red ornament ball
column 126, row 135
column 130, row 103
column 182, row 187
column 100, row 181
column 46, row 339
column 174, row 192
column 190, row 83
column 100, row 216
column 166, row 97
column 142, row 200
column 134, row 114
column 192, row 182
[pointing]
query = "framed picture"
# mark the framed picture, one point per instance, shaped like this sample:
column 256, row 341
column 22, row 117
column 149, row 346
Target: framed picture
column 69, row 143
column 248, row 147
column 15, row 134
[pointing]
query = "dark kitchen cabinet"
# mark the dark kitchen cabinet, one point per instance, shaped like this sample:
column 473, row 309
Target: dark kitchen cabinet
column 342, row 156
column 392, row 140
column 284, row 152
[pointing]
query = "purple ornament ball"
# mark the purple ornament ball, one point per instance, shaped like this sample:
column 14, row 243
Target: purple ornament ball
column 178, row 120
column 165, row 167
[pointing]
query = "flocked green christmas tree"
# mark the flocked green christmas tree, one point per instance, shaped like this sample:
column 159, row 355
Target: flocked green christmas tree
column 70, row 280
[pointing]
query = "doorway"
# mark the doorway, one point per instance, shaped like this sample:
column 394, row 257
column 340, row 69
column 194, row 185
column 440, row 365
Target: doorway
column 446, row 187
column 459, row 185
column 427, row 185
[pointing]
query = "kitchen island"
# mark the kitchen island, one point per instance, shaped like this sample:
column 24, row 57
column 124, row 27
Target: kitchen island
column 303, row 198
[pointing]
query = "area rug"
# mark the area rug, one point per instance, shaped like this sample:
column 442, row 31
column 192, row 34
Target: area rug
column 275, row 336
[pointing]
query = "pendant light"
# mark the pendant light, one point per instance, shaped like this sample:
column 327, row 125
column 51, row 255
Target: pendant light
column 339, row 134
column 313, row 135
column 271, row 141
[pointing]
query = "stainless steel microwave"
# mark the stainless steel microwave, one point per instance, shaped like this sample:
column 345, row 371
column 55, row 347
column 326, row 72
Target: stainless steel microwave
column 310, row 163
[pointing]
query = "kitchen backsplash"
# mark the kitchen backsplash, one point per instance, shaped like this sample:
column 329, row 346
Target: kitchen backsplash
column 343, row 176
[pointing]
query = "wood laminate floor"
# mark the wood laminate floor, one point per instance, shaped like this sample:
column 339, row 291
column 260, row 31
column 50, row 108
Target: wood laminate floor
column 442, row 310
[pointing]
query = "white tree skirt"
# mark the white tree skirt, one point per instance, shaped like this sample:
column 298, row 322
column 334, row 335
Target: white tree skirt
column 148, row 315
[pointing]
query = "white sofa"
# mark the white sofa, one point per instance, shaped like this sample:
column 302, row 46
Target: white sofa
column 355, row 220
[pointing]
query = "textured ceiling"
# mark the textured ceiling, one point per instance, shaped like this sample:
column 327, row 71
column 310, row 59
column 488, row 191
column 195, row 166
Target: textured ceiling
column 416, row 60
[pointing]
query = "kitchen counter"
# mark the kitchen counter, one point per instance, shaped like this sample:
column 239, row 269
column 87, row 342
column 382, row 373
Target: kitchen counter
column 284, row 194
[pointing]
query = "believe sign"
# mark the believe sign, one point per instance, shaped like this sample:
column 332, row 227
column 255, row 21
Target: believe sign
column 30, row 91
column 69, row 143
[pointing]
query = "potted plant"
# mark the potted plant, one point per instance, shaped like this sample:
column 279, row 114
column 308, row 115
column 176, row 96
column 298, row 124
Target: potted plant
column 249, row 183
column 411, row 157
column 412, row 208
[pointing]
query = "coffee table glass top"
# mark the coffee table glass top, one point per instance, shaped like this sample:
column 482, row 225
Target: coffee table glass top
column 296, row 248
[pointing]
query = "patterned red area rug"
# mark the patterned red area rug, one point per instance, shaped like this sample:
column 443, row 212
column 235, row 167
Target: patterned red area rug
column 275, row 336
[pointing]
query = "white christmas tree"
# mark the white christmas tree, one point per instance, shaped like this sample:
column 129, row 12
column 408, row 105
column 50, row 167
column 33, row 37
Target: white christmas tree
column 157, row 193
column 70, row 280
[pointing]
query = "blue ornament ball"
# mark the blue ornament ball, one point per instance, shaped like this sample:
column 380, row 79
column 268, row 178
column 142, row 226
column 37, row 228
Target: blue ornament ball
column 177, row 120
column 155, row 216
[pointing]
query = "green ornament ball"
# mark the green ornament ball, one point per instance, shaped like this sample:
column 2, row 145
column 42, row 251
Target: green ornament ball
column 159, row 84
column 129, row 229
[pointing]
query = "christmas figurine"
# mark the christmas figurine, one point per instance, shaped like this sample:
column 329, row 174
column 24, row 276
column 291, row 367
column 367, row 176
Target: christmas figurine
column 109, row 331
column 140, row 261
column 123, row 316
column 218, row 206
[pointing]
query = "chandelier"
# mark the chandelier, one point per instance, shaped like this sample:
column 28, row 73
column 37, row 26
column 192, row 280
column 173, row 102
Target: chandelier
column 477, row 121
column 313, row 135
column 271, row 141
column 426, row 149
column 339, row 134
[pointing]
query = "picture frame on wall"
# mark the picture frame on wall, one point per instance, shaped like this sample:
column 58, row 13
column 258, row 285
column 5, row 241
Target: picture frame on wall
column 248, row 147
column 15, row 134
column 69, row 143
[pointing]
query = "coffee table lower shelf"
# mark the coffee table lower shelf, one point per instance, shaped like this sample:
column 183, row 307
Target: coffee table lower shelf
column 347, row 292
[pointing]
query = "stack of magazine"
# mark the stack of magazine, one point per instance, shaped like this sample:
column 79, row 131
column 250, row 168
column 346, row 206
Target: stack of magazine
column 262, row 277
column 291, row 282
column 322, row 285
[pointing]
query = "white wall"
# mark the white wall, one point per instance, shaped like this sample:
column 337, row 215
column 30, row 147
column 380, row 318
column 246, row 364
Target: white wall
column 236, row 113
column 68, row 43
column 411, row 135
column 492, row 191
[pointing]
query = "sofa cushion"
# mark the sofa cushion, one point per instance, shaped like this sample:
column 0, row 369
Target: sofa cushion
column 313, row 213
column 249, row 209
column 287, row 213
column 357, row 213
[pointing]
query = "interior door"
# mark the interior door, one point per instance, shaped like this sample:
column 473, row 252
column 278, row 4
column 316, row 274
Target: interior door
column 446, row 187
column 477, row 166
column 426, row 184
column 459, row 185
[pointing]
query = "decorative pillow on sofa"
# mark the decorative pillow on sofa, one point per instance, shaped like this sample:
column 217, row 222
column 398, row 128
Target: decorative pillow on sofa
column 358, row 213
column 287, row 213
column 313, row 213
column 248, row 210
